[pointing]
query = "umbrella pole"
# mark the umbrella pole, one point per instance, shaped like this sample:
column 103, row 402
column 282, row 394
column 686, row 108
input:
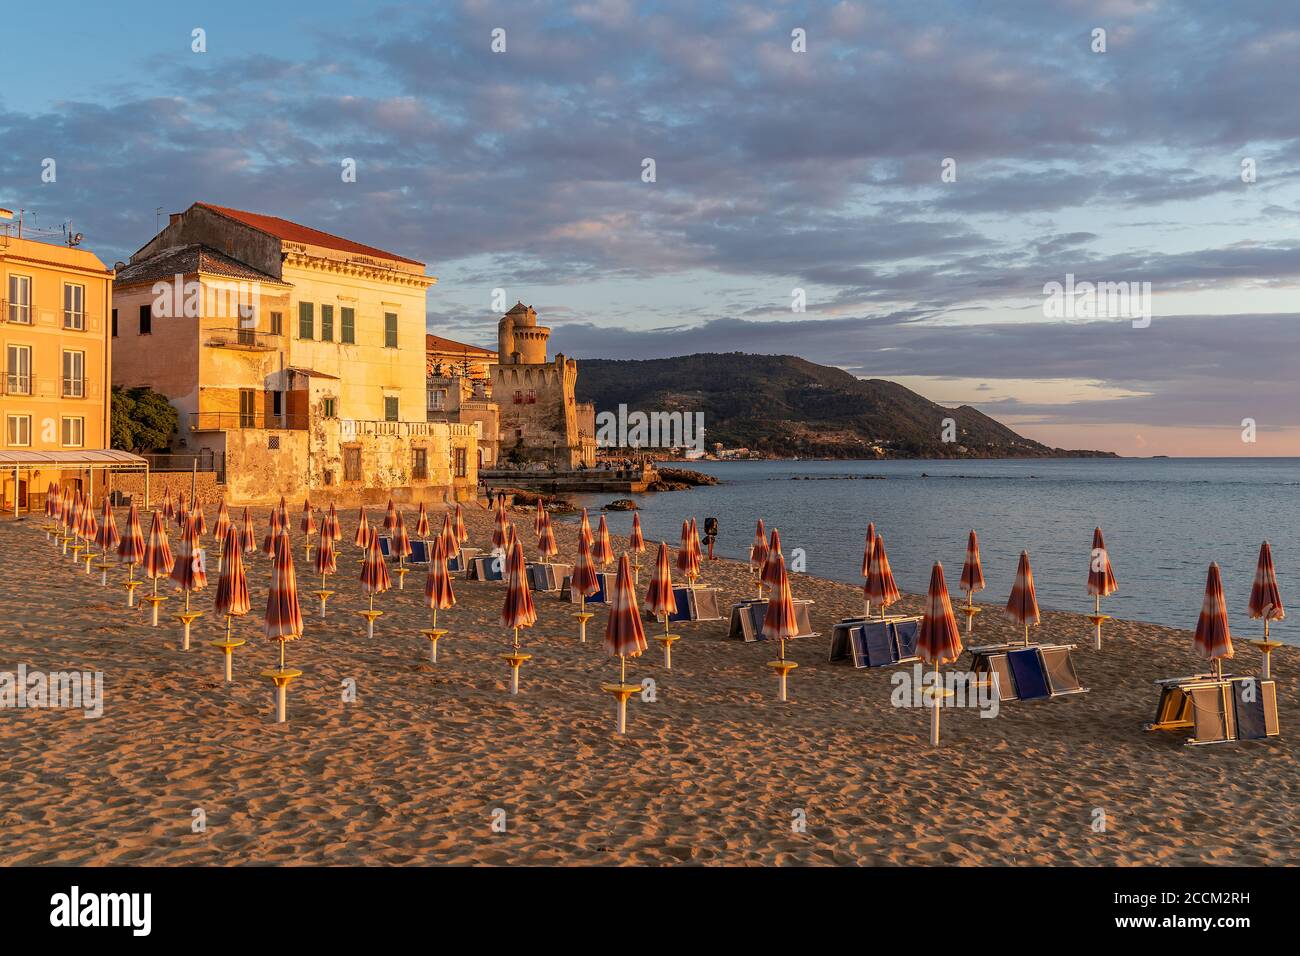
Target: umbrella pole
column 1026, row 634
column 934, row 703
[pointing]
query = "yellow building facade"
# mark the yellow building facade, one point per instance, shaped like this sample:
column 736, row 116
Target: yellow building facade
column 54, row 331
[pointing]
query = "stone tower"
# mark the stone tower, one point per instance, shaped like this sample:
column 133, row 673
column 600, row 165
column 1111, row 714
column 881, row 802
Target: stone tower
column 520, row 340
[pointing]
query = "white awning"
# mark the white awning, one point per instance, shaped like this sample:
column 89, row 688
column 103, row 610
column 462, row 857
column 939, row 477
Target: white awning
column 86, row 458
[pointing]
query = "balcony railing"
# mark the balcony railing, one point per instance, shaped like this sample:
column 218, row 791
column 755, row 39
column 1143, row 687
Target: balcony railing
column 351, row 428
column 231, row 421
column 249, row 339
column 74, row 388
column 16, row 384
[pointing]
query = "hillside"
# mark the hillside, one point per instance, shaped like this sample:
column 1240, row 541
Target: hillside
column 783, row 405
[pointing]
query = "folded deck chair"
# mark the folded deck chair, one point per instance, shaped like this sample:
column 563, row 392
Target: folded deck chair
column 879, row 638
column 419, row 552
column 906, row 635
column 1028, row 673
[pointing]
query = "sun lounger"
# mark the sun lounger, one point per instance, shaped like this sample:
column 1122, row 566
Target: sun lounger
column 1217, row 710
column 696, row 604
column 547, row 577
column 385, row 548
column 1032, row 672
column 460, row 562
column 485, row 567
column 604, row 578
column 875, row 642
column 747, row 620
column 419, row 552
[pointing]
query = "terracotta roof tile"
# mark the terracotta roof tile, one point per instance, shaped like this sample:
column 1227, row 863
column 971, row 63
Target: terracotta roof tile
column 190, row 260
column 436, row 343
column 293, row 232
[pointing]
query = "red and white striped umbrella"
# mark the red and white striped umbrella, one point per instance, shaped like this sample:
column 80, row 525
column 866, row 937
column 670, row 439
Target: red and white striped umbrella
column 695, row 545
column 89, row 526
column 450, row 546
column 868, row 549
column 330, row 527
column 1022, row 605
column 422, row 523
column 499, row 525
column 188, row 571
column 273, row 532
column 401, row 540
column 437, row 583
column 636, row 540
column 250, row 533
column 158, row 560
column 74, row 514
column 880, row 587
column 390, row 517
column 779, row 620
column 972, row 573
column 1101, row 577
column 374, row 572
column 538, row 518
column 49, row 500
column 131, row 548
column 1265, row 598
column 758, row 549
column 232, row 586
column 308, row 523
column 182, row 512
column 200, row 523
column 326, row 560
column 660, row 598
column 939, row 641
column 108, row 538
column 583, row 582
column 362, row 539
column 768, row 575
column 283, row 510
column 1213, row 639
column 65, row 507
column 462, row 534
column 518, row 610
column 168, row 510
column 603, row 553
column 624, row 635
column 584, row 529
column 283, row 614
column 546, row 546
column 221, row 525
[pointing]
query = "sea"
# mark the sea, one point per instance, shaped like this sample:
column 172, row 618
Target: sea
column 1164, row 521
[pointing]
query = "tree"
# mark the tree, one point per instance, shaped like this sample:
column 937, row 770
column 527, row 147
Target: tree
column 141, row 420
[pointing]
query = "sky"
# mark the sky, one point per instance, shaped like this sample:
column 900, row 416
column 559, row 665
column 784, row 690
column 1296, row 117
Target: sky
column 918, row 174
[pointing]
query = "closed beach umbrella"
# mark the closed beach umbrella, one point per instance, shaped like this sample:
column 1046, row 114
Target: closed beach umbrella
column 131, row 550
column 1213, row 639
column 546, row 546
column 972, row 578
column 450, row 546
column 695, row 545
column 518, row 610
column 326, row 562
column 221, row 526
column 390, row 517
column 374, row 572
column 437, row 583
column 538, row 518
column 624, row 635
column 362, row 539
column 758, row 549
column 583, row 582
column 283, row 614
column 584, row 528
column 330, row 527
column 660, row 598
column 283, row 511
column 200, row 523
column 768, row 574
column 308, row 523
column 779, row 621
column 402, row 546
column 182, row 510
column 250, row 533
column 1266, row 603
column 499, row 524
column 603, row 553
column 1101, row 581
column 868, row 549
column 107, row 539
column 89, row 529
column 939, row 640
column 273, row 531
column 462, row 534
column 880, row 586
column 636, row 540
column 168, row 510
column 1022, row 605
column 188, row 571
column 688, row 560
column 158, row 561
column 422, row 524
column 232, row 597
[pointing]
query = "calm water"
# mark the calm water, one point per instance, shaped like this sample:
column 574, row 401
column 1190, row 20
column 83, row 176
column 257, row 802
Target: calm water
column 1164, row 521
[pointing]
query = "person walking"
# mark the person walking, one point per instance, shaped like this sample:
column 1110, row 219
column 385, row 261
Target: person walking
column 710, row 535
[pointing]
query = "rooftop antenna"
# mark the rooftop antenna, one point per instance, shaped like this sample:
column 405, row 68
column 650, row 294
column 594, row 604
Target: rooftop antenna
column 157, row 220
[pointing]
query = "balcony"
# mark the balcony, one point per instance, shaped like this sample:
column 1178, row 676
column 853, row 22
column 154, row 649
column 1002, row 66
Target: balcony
column 246, row 340
column 17, row 384
column 74, row 388
column 232, row 421
column 352, row 428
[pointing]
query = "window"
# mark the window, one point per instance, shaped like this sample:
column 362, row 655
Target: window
column 247, row 331
column 18, row 430
column 74, row 431
column 327, row 323
column 438, row 399
column 272, row 442
column 390, row 330
column 115, row 323
column 519, row 397
column 461, row 462
column 19, row 368
column 419, row 464
column 349, row 330
column 351, row 464
column 390, row 409
column 277, row 323
column 306, row 320
column 532, row 396
column 74, row 306
column 74, row 374
column 277, row 403
column 247, row 408
column 327, row 408
column 146, row 319
column 329, row 476
column 20, row 299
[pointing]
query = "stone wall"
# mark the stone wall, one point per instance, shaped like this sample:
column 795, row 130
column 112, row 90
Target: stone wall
column 131, row 484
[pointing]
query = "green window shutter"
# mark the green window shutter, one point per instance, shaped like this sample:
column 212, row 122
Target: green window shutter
column 306, row 320
column 390, row 330
column 327, row 323
column 390, row 409
column 349, row 330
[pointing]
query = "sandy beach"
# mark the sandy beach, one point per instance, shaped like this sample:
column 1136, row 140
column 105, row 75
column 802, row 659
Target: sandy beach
column 713, row 772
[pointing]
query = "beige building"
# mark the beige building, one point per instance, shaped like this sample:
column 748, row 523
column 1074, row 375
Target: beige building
column 295, row 355
column 54, row 323
column 540, row 420
column 459, row 388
